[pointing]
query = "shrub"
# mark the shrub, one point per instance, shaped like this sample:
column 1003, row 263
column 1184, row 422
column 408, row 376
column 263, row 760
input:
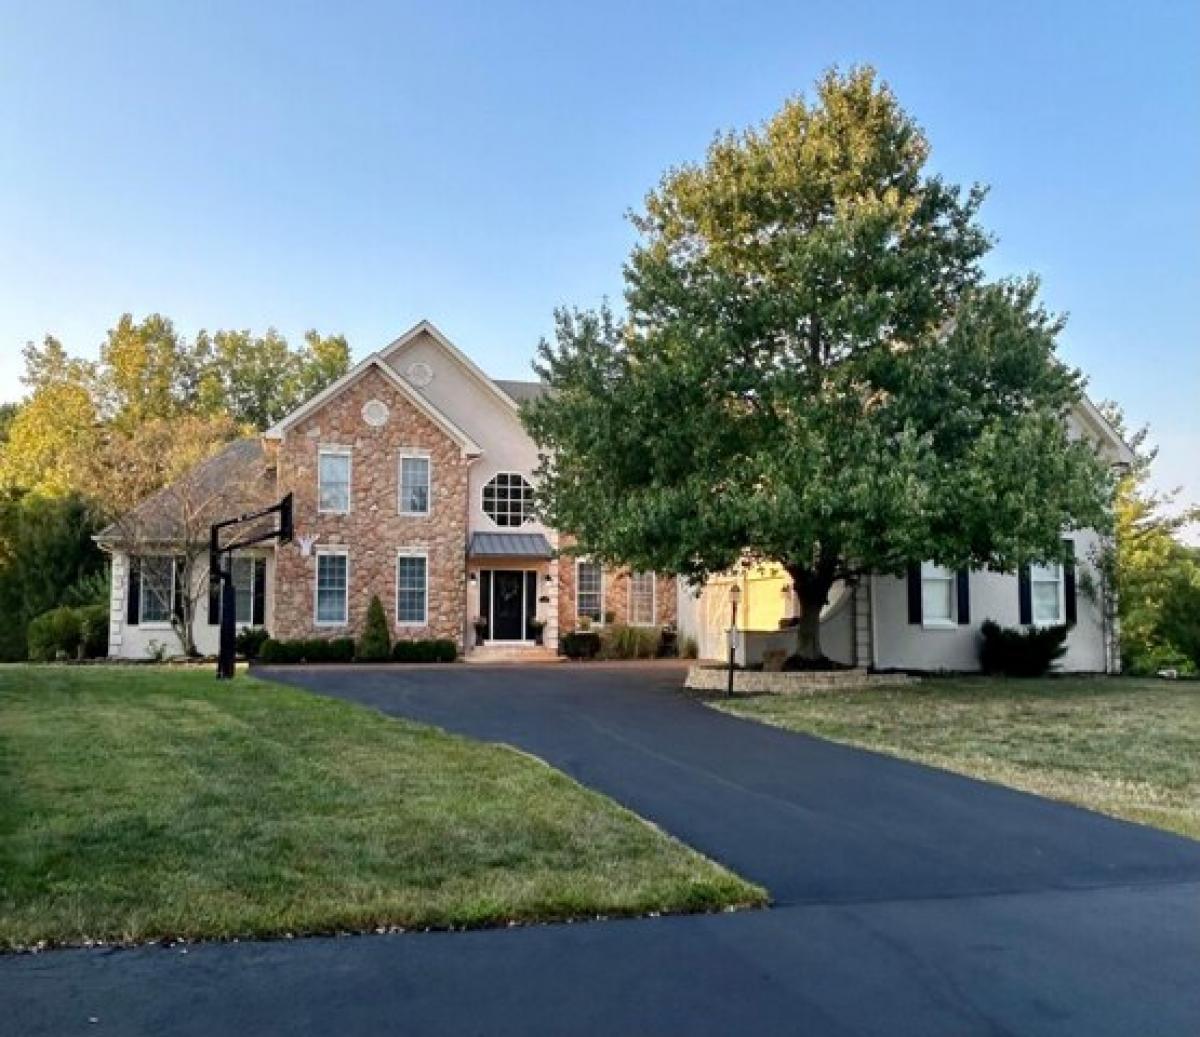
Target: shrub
column 580, row 644
column 307, row 650
column 1021, row 653
column 691, row 647
column 54, row 632
column 624, row 642
column 375, row 644
column 93, row 630
column 250, row 641
column 439, row 650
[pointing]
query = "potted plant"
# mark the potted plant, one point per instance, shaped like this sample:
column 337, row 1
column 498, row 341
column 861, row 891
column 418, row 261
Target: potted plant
column 536, row 628
column 481, row 628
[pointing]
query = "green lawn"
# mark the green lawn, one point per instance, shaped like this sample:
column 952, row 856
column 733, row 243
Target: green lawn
column 1129, row 748
column 139, row 803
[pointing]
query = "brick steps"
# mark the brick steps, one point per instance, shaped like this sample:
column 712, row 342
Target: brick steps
column 511, row 654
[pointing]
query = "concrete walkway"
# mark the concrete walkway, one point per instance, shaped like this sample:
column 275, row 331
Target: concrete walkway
column 908, row 900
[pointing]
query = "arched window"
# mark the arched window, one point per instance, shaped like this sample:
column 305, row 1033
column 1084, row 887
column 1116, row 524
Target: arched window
column 508, row 499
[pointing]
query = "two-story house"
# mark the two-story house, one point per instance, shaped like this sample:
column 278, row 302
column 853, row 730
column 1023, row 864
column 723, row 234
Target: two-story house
column 412, row 480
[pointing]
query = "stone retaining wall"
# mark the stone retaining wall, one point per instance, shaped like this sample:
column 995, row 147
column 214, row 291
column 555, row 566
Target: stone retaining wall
column 759, row 682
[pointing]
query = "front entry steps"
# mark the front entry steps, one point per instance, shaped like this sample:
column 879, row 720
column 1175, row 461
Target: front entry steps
column 516, row 653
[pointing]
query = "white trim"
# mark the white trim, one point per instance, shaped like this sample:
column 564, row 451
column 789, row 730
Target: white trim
column 933, row 572
column 1091, row 413
column 600, row 621
column 525, row 519
column 410, row 552
column 457, row 355
column 414, row 454
column 1061, row 584
column 653, row 597
column 330, row 550
column 468, row 446
column 348, row 454
column 155, row 624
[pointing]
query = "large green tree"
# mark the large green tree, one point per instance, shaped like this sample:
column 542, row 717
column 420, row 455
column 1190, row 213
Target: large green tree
column 813, row 370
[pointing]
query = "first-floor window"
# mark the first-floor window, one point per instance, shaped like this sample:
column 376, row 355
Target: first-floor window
column 937, row 594
column 1046, row 593
column 158, row 589
column 411, row 588
column 641, row 599
column 589, row 582
column 333, row 583
column 243, row 588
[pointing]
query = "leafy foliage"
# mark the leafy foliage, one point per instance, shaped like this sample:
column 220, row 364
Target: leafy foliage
column 1021, row 651
column 430, row 650
column 53, row 634
column 627, row 642
column 814, row 371
column 1157, row 577
column 580, row 644
column 307, row 650
column 249, row 642
column 46, row 555
column 375, row 643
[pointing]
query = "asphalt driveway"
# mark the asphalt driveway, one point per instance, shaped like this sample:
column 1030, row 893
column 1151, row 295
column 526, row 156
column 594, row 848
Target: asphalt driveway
column 908, row 900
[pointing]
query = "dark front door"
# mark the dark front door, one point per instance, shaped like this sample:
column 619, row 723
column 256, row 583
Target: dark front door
column 508, row 605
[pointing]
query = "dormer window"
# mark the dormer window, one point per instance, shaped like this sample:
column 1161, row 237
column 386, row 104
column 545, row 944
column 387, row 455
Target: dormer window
column 508, row 499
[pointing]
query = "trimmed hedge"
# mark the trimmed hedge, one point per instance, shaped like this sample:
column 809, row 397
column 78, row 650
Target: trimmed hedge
column 307, row 650
column 580, row 644
column 1020, row 653
column 342, row 650
column 249, row 641
column 439, row 650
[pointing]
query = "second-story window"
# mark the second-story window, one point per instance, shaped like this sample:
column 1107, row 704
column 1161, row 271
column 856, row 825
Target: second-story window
column 414, row 484
column 333, row 480
column 508, row 499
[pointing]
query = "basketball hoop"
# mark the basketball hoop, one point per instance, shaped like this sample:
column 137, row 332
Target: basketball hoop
column 306, row 543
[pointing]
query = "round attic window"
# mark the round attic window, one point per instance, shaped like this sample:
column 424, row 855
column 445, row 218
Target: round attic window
column 420, row 374
column 375, row 413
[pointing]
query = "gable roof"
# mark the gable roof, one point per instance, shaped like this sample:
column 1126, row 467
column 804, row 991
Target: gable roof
column 1121, row 453
column 376, row 362
column 458, row 356
column 233, row 481
column 522, row 392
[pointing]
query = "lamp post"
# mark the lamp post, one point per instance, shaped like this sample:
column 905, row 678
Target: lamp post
column 735, row 595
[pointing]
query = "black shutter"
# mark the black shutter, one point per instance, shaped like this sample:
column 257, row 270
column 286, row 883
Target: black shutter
column 133, row 592
column 1025, row 595
column 914, row 593
column 1069, row 583
column 260, row 592
column 485, row 598
column 964, row 596
column 177, row 596
column 214, row 600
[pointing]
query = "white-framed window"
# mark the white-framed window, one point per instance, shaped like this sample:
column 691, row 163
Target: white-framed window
column 333, row 480
column 157, row 598
column 415, row 471
column 243, row 589
column 412, row 588
column 1047, row 594
column 642, row 599
column 508, row 499
column 937, row 595
column 333, row 587
column 589, row 591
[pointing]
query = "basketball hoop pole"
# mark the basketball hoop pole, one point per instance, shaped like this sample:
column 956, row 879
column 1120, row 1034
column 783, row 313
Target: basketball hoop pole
column 222, row 571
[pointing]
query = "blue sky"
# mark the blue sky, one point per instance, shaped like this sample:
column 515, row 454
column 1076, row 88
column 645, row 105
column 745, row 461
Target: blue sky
column 356, row 167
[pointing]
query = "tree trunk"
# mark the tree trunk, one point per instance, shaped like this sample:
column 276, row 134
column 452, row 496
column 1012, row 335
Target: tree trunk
column 811, row 587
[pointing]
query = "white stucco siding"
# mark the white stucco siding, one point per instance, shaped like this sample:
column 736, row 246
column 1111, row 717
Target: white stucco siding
column 488, row 419
column 139, row 640
column 902, row 645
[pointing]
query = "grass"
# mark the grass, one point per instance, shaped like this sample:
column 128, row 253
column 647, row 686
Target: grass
column 150, row 803
column 1124, row 747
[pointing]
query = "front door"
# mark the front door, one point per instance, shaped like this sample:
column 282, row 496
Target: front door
column 508, row 605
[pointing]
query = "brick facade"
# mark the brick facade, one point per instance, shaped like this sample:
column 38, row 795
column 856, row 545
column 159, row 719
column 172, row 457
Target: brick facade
column 373, row 530
column 616, row 589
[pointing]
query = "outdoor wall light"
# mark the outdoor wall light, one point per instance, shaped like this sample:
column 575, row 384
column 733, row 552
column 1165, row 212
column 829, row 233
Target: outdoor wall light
column 473, row 579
